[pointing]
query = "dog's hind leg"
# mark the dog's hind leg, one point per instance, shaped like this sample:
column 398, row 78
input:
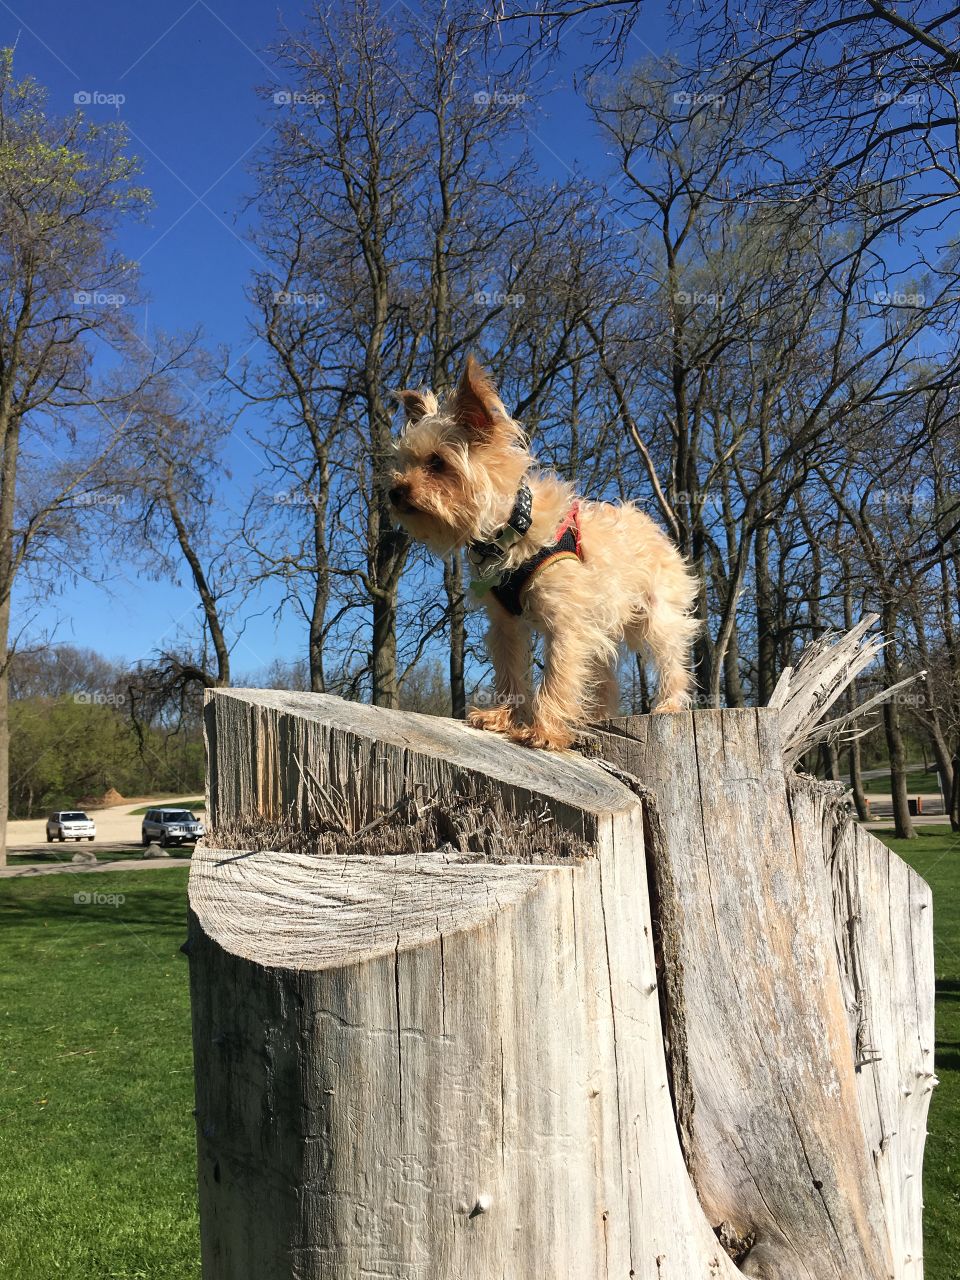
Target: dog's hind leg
column 604, row 692
column 667, row 636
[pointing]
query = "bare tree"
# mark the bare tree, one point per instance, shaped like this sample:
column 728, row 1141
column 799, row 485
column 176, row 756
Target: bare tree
column 737, row 348
column 401, row 230
column 176, row 521
column 67, row 186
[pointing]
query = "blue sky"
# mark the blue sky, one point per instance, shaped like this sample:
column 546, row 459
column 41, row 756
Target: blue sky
column 184, row 78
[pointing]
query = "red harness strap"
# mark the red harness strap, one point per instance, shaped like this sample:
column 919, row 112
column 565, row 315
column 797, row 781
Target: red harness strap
column 571, row 521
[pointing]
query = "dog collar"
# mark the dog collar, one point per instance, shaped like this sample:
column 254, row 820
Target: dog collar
column 507, row 586
column 521, row 517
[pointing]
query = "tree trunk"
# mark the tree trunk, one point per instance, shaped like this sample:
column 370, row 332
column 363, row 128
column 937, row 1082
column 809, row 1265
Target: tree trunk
column 10, row 437
column 902, row 823
column 208, row 600
column 4, row 731
column 856, row 782
column 766, row 620
column 499, row 1013
column 385, row 691
column 941, row 756
column 856, row 766
column 830, row 761
column 456, row 604
column 646, row 702
column 731, row 671
column 321, row 590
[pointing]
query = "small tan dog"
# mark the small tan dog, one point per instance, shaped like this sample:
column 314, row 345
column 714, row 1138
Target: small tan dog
column 586, row 575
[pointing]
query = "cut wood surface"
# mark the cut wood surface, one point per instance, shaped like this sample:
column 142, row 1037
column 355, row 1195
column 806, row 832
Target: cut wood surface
column 463, row 1009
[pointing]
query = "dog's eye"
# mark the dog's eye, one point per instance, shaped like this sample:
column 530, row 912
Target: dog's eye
column 435, row 463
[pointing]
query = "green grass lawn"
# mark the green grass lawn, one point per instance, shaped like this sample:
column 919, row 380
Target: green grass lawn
column 919, row 783
column 935, row 854
column 96, row 1088
column 195, row 806
column 96, row 1084
column 65, row 853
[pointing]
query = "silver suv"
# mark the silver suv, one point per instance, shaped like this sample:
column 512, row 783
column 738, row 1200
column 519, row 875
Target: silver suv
column 170, row 826
column 70, row 824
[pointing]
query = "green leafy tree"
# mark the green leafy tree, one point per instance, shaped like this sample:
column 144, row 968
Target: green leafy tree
column 65, row 186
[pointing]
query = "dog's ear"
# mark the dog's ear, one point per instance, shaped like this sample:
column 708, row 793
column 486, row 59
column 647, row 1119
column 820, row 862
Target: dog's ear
column 476, row 405
column 417, row 404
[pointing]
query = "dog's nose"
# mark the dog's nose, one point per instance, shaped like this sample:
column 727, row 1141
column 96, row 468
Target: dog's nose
column 395, row 495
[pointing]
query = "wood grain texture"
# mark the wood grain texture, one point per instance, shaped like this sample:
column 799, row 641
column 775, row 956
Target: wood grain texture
column 826, row 669
column 258, row 741
column 429, row 1065
column 884, row 942
column 783, row 1118
column 577, row 1040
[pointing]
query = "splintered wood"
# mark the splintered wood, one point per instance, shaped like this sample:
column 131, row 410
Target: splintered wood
column 463, row 1010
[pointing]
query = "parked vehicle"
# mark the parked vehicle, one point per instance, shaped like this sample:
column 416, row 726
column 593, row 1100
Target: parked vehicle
column 170, row 826
column 70, row 824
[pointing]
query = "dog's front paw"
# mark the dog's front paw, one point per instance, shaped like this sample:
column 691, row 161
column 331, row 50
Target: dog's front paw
column 671, row 706
column 493, row 719
column 546, row 738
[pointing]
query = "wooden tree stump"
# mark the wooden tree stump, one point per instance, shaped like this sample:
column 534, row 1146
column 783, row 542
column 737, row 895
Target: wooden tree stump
column 464, row 1011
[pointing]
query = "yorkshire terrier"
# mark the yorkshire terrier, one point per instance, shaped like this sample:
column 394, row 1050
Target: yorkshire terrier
column 586, row 575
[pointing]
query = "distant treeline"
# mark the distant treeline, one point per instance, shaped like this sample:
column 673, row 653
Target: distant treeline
column 74, row 736
column 79, row 727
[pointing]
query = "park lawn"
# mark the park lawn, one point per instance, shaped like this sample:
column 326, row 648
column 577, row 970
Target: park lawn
column 919, row 783
column 195, row 806
column 96, row 1084
column 96, row 1090
column 935, row 854
column 132, row 854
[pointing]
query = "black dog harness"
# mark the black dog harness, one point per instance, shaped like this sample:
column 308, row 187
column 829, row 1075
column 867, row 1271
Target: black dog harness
column 508, row 587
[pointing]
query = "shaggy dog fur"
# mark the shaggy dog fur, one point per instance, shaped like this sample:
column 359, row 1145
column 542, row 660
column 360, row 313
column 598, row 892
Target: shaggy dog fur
column 458, row 470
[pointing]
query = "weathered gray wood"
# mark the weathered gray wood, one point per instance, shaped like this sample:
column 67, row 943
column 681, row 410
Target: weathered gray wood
column 432, row 1040
column 786, row 1119
column 826, row 668
column 428, row 1064
column 884, row 941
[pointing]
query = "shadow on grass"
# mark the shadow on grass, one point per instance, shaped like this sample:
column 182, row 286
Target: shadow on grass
column 97, row 905
column 103, row 853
